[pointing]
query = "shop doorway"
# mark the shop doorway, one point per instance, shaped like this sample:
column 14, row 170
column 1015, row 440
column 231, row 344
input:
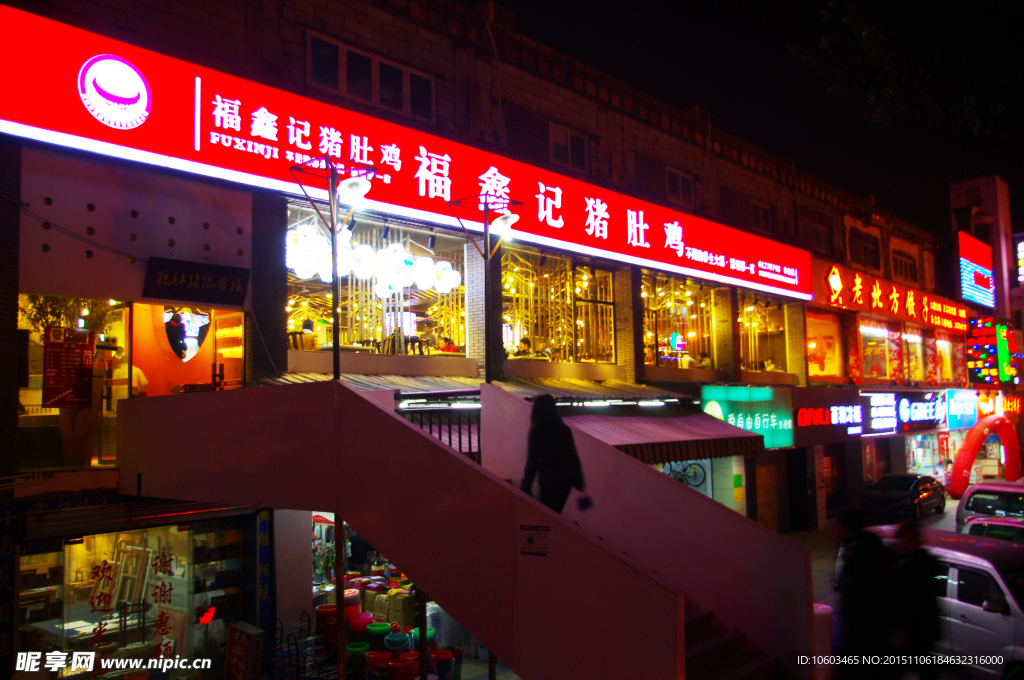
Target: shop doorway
column 836, row 496
column 75, row 358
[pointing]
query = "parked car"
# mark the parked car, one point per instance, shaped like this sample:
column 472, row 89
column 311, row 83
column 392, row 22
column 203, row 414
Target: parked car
column 901, row 495
column 980, row 593
column 990, row 499
column 1006, row 528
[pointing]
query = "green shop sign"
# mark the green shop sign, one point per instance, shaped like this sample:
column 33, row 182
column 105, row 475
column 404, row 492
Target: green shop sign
column 766, row 411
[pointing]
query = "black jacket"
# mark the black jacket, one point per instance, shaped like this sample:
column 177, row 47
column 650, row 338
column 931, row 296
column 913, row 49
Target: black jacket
column 552, row 458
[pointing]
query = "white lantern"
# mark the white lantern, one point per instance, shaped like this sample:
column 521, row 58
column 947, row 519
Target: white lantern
column 447, row 278
column 423, row 273
column 364, row 262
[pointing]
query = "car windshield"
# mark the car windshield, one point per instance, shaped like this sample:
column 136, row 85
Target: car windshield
column 1014, row 579
column 895, row 483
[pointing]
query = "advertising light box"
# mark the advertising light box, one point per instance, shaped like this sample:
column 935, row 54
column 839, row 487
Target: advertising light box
column 826, row 415
column 889, row 413
column 96, row 94
column 766, row 411
column 977, row 282
column 962, row 408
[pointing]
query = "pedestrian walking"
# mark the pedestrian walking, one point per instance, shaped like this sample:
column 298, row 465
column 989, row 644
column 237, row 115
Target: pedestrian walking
column 915, row 611
column 551, row 456
column 861, row 579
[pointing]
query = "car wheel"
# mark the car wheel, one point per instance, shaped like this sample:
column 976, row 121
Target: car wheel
column 941, row 507
column 1016, row 674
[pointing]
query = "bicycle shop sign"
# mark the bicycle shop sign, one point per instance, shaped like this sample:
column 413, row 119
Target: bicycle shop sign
column 826, row 415
column 96, row 94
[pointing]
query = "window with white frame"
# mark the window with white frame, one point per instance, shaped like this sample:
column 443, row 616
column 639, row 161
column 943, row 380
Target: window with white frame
column 680, row 187
column 761, row 216
column 363, row 76
column 568, row 148
column 904, row 266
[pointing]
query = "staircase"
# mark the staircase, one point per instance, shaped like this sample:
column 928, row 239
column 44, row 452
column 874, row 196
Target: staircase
column 714, row 652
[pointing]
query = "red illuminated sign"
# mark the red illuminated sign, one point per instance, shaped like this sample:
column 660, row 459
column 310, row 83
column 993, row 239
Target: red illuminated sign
column 146, row 107
column 1011, row 405
column 837, row 286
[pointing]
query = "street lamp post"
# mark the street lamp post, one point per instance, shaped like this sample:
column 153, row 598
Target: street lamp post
column 504, row 223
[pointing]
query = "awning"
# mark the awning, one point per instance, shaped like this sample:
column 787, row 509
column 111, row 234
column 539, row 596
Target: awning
column 674, row 433
column 570, row 388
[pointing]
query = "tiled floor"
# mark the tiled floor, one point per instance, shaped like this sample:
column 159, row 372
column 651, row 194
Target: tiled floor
column 474, row 669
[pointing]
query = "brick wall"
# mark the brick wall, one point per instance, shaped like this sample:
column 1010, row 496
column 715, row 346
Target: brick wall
column 475, row 307
column 10, row 187
column 796, row 342
column 629, row 348
column 726, row 331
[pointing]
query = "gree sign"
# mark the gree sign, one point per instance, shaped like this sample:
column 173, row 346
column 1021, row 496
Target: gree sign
column 93, row 93
column 763, row 410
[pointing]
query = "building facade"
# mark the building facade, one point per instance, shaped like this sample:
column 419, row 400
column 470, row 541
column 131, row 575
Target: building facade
column 167, row 229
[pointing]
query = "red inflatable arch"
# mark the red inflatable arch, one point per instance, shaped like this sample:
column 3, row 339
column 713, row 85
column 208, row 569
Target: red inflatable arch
column 960, row 479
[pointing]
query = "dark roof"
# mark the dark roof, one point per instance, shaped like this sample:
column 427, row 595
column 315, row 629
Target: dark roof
column 663, row 434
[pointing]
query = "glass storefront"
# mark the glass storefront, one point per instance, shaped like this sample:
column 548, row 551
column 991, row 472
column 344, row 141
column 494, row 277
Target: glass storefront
column 401, row 287
column 762, row 332
column 874, row 345
column 678, row 322
column 164, row 591
column 67, row 408
column 563, row 311
column 913, row 353
column 824, row 345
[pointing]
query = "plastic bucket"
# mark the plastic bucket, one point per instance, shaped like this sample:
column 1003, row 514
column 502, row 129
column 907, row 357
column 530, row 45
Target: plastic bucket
column 377, row 660
column 431, row 638
column 327, row 619
column 402, row 669
column 358, row 623
column 397, row 643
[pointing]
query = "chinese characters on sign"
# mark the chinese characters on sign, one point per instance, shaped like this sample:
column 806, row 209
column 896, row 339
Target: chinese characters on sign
column 837, row 286
column 67, row 367
column 195, row 282
column 210, row 123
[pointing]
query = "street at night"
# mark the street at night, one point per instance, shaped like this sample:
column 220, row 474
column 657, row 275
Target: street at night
column 459, row 339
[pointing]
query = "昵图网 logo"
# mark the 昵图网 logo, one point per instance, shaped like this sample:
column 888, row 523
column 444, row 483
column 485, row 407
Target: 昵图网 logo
column 115, row 92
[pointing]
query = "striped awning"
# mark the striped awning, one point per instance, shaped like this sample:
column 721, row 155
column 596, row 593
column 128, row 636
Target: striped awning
column 674, row 433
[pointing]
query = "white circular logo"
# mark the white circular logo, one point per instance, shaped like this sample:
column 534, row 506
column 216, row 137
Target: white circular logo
column 904, row 410
column 114, row 91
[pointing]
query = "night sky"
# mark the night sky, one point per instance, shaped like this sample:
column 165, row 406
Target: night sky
column 736, row 61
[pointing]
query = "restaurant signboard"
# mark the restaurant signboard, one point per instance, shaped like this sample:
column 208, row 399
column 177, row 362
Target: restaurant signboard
column 844, row 288
column 89, row 92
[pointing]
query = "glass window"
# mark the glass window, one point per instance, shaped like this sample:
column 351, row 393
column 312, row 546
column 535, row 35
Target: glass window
column 913, row 353
column 595, row 315
column 391, row 86
column 1000, row 531
column 94, row 335
column 975, row 587
column 421, row 96
column 567, row 148
column 944, row 357
column 359, row 75
column 323, row 62
column 824, row 345
column 762, row 333
column 977, row 529
column 942, row 580
column 678, row 323
column 987, row 503
column 874, row 345
column 680, row 187
column 401, row 288
column 564, row 312
column 42, row 596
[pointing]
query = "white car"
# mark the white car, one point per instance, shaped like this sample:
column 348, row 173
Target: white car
column 980, row 593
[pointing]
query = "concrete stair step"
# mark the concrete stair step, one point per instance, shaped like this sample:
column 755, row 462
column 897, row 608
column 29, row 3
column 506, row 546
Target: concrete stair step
column 712, row 650
column 698, row 622
column 745, row 666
